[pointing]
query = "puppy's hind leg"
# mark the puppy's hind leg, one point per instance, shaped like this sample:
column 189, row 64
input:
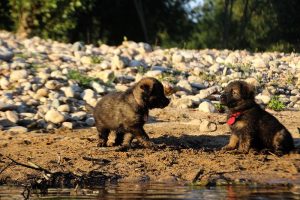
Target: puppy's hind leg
column 102, row 135
column 283, row 142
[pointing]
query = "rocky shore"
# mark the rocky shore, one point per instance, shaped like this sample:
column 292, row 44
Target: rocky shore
column 45, row 87
column 45, row 84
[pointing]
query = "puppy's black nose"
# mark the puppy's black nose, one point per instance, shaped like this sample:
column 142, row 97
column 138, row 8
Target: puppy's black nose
column 223, row 98
column 166, row 102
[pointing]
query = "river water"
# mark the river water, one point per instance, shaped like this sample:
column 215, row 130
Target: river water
column 156, row 191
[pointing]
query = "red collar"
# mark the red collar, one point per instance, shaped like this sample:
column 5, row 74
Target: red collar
column 232, row 118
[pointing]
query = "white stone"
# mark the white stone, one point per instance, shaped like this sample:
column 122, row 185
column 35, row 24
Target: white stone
column 80, row 115
column 87, row 94
column 12, row 116
column 4, row 83
column 177, row 58
column 207, row 107
column 207, row 92
column 64, row 108
column 264, row 98
column 54, row 116
column 153, row 73
column 68, row 125
column 69, row 91
column 86, row 60
column 18, row 129
column 97, row 87
column 184, row 84
column 207, row 126
column 42, row 92
column 18, row 74
column 117, row 63
column 182, row 103
column 52, row 85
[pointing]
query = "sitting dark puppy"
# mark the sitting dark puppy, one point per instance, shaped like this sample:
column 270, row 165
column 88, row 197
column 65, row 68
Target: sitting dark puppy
column 251, row 126
column 123, row 114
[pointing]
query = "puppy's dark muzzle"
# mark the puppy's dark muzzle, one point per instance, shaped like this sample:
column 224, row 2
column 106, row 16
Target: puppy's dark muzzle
column 165, row 102
column 223, row 99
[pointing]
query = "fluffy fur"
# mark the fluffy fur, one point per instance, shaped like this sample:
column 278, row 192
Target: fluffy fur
column 254, row 127
column 120, row 116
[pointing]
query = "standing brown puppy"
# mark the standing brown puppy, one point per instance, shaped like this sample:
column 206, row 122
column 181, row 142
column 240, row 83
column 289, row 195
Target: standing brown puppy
column 123, row 114
column 251, row 126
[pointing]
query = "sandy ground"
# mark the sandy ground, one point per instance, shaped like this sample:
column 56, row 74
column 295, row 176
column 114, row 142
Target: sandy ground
column 184, row 153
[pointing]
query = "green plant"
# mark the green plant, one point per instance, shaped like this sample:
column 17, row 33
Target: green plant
column 276, row 104
column 167, row 76
column 82, row 80
column 207, row 77
column 96, row 59
column 219, row 107
column 142, row 70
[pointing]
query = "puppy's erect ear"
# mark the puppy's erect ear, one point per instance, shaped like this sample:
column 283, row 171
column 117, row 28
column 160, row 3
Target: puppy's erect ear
column 248, row 90
column 143, row 90
column 146, row 85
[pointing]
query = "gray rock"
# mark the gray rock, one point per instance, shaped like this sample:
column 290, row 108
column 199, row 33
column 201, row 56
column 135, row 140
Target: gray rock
column 54, row 116
column 5, row 54
column 78, row 46
column 90, row 121
column 207, row 107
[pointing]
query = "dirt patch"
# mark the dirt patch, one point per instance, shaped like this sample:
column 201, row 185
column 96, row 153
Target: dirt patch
column 184, row 154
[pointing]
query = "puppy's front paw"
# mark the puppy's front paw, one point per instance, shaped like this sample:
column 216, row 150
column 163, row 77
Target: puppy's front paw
column 227, row 148
column 147, row 144
column 101, row 143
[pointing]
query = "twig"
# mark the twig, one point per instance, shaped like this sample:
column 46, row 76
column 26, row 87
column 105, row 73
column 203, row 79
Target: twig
column 4, row 168
column 31, row 166
column 199, row 173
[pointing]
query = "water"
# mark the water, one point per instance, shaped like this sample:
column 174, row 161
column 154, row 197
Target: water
column 157, row 191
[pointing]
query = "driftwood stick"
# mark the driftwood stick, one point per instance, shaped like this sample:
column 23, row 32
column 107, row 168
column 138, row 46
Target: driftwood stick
column 6, row 166
column 31, row 166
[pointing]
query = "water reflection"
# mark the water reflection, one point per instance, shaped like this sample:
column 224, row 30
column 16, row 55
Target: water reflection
column 157, row 191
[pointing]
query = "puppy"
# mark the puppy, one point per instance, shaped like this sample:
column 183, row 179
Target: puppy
column 122, row 115
column 251, row 126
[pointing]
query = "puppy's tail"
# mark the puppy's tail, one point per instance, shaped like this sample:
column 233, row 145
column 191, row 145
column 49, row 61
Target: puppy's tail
column 89, row 108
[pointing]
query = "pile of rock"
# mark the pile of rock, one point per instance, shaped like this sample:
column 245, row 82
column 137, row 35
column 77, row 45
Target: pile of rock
column 45, row 84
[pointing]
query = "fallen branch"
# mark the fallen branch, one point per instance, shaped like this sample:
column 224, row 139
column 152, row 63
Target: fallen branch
column 7, row 166
column 31, row 166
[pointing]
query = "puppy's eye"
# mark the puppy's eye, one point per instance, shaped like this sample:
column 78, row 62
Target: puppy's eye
column 234, row 92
